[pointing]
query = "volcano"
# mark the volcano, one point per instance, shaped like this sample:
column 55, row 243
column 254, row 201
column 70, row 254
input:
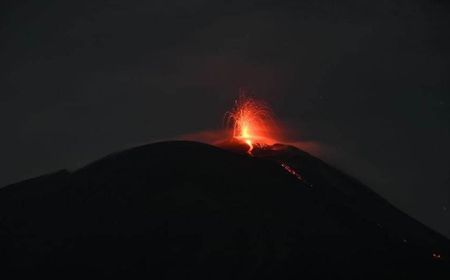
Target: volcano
column 189, row 210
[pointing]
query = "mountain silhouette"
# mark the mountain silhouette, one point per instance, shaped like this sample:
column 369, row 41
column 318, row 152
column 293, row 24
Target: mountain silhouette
column 189, row 210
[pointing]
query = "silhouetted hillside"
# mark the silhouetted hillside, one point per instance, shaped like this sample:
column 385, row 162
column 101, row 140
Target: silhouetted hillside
column 189, row 210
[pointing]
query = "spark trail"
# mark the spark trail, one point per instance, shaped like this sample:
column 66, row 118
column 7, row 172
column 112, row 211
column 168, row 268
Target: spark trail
column 252, row 122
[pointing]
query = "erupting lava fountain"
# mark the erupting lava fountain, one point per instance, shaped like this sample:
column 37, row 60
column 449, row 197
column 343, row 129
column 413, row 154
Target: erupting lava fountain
column 252, row 123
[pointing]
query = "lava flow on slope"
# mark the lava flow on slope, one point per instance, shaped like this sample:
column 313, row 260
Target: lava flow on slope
column 253, row 125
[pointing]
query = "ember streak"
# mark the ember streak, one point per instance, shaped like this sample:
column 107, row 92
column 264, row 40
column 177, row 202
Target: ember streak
column 292, row 171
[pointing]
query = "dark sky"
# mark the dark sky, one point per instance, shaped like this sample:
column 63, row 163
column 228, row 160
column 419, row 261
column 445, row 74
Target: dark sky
column 367, row 82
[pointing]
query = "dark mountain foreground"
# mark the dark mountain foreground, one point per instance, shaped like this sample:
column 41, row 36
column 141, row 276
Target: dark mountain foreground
column 185, row 210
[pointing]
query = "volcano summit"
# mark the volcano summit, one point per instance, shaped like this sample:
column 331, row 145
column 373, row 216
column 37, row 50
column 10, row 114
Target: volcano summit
column 188, row 210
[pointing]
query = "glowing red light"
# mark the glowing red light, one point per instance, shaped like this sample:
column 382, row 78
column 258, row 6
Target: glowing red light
column 252, row 122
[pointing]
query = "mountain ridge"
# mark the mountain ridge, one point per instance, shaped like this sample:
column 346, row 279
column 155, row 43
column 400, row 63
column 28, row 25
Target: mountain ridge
column 196, row 209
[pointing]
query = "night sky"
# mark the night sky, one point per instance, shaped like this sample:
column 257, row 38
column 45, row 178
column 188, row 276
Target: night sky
column 362, row 84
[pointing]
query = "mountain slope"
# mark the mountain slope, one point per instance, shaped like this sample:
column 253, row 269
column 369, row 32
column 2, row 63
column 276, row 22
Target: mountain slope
column 190, row 210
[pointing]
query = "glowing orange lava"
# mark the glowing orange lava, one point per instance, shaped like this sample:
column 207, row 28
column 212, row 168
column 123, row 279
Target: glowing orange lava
column 252, row 122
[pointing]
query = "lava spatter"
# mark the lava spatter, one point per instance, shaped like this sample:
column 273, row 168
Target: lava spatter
column 252, row 122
